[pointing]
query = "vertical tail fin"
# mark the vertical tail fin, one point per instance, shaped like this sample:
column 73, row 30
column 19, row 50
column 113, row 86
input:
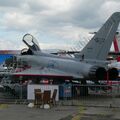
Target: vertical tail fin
column 99, row 46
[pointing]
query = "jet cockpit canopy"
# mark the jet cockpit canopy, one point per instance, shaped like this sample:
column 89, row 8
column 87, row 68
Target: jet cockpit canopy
column 31, row 42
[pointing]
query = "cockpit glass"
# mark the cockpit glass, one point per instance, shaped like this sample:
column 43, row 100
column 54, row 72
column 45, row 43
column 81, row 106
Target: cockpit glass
column 31, row 42
column 28, row 38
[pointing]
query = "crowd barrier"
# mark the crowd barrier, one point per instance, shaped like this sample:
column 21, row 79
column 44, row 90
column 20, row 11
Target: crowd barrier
column 74, row 94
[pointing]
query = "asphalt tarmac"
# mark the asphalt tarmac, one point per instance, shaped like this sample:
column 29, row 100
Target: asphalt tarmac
column 91, row 109
column 23, row 112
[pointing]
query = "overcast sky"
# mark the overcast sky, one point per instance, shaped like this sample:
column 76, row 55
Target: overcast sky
column 54, row 23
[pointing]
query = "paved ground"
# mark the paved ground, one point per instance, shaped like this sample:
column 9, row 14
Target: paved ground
column 100, row 108
column 22, row 112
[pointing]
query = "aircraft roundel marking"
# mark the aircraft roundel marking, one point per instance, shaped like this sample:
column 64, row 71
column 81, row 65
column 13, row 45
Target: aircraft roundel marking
column 52, row 64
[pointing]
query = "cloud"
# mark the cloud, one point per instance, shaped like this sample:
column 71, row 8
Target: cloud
column 10, row 3
column 55, row 46
column 54, row 20
column 71, row 32
column 15, row 21
column 8, row 45
column 108, row 8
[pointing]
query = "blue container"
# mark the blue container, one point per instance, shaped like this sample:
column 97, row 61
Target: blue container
column 65, row 91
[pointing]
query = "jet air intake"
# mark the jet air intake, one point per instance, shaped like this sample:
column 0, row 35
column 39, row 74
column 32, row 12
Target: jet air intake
column 97, row 73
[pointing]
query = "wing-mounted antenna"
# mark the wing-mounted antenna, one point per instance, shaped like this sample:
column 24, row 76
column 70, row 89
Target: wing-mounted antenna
column 31, row 42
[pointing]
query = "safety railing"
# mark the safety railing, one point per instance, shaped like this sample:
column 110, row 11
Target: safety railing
column 71, row 94
column 90, row 95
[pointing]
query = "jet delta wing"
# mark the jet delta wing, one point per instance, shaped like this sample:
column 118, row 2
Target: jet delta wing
column 47, row 72
column 84, row 66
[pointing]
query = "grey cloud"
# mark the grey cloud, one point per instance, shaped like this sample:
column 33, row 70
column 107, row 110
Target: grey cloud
column 35, row 6
column 83, row 14
column 34, row 15
column 10, row 3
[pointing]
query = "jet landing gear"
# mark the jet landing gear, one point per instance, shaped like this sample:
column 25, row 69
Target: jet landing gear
column 83, row 88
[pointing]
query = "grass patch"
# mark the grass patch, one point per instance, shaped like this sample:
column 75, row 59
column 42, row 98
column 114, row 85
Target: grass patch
column 3, row 106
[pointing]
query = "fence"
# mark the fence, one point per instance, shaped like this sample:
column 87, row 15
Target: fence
column 90, row 95
column 73, row 94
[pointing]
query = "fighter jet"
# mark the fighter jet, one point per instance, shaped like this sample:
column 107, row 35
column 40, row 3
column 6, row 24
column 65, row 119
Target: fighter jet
column 89, row 64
